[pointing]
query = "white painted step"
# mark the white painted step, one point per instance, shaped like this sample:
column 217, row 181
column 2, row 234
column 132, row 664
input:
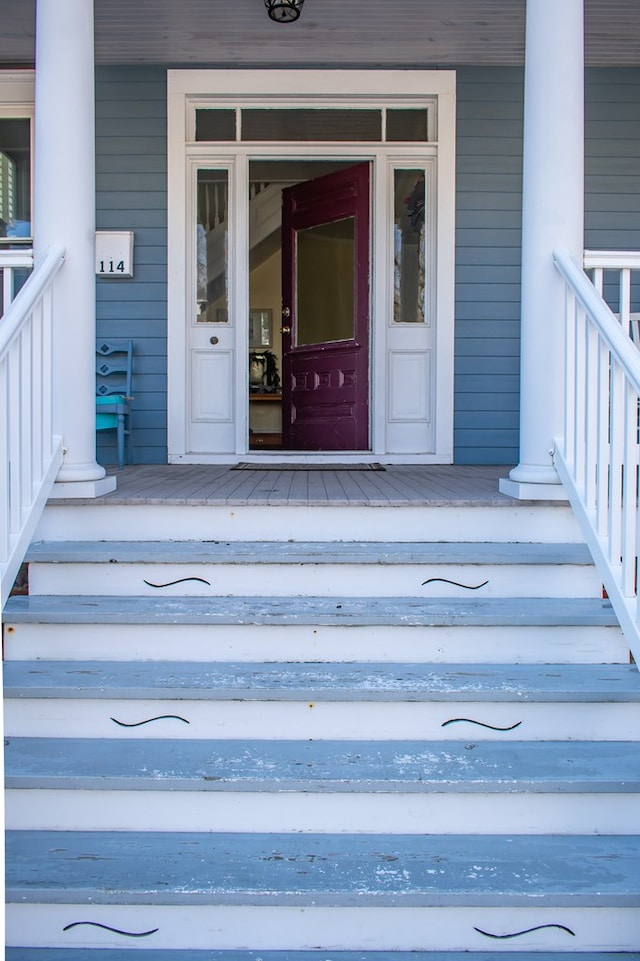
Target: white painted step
column 312, row 568
column 352, row 892
column 584, row 643
column 191, row 701
column 323, row 786
column 529, row 630
column 444, row 522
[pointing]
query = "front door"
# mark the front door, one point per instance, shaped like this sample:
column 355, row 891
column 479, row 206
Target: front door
column 325, row 316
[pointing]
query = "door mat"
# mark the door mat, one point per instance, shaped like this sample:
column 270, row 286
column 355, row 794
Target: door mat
column 307, row 467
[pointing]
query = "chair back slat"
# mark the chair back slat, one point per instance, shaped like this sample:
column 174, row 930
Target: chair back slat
column 114, row 369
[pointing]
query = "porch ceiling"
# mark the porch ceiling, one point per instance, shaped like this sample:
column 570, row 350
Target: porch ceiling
column 403, row 33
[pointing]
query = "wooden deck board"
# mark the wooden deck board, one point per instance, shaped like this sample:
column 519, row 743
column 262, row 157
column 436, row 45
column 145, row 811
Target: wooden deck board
column 401, row 485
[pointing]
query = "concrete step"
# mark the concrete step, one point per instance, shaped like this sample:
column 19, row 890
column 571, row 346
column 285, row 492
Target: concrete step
column 322, row 786
column 217, row 568
column 292, row 891
column 191, row 700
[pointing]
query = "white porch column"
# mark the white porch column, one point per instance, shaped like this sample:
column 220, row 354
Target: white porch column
column 64, row 212
column 552, row 216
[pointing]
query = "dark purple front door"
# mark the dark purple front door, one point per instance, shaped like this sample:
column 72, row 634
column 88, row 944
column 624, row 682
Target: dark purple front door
column 325, row 297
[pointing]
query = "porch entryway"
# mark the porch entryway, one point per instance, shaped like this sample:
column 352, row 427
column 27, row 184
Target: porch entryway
column 300, row 354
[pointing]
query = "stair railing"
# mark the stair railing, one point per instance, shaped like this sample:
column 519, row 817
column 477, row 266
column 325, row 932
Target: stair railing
column 598, row 457
column 30, row 455
column 612, row 274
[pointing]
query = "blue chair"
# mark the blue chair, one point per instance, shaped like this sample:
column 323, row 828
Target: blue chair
column 114, row 365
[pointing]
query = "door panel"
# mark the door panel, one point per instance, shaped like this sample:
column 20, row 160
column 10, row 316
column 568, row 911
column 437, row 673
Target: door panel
column 211, row 336
column 326, row 312
column 411, row 342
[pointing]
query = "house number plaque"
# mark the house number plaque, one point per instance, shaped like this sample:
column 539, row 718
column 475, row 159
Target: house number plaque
column 114, row 253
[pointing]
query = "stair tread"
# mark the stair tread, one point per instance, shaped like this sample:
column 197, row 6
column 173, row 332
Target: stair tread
column 322, row 681
column 282, row 611
column 158, row 954
column 302, row 869
column 322, row 766
column 314, row 552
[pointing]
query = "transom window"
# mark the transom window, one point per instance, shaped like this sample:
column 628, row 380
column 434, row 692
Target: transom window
column 317, row 124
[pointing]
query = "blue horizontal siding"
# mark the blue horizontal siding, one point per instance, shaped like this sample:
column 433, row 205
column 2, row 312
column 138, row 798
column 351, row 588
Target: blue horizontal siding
column 131, row 194
column 612, row 165
column 488, row 236
column 131, row 182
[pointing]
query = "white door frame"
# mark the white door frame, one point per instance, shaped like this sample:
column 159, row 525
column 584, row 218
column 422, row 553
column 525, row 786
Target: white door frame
column 188, row 88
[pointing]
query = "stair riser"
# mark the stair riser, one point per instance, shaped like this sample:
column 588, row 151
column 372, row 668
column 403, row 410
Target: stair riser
column 344, row 812
column 320, row 720
column 364, row 928
column 190, row 522
column 465, row 644
column 319, row 580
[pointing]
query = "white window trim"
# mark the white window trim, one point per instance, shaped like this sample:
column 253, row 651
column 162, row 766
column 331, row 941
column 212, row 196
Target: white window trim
column 190, row 88
column 17, row 93
column 17, row 100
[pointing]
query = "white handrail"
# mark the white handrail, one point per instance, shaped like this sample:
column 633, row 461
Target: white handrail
column 612, row 259
column 30, row 456
column 599, row 455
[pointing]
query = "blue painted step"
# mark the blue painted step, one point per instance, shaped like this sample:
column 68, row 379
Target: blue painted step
column 155, row 954
column 349, row 611
column 302, row 552
column 91, row 868
column 322, row 681
column 323, row 766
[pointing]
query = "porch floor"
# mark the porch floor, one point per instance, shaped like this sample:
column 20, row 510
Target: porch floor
column 396, row 486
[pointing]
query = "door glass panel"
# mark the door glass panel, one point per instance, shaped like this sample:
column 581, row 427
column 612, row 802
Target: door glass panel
column 311, row 124
column 407, row 125
column 325, row 267
column 212, row 227
column 15, row 180
column 216, row 124
column 409, row 247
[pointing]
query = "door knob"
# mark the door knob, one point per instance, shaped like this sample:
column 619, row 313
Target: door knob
column 285, row 330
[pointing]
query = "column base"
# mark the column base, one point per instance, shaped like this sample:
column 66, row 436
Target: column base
column 87, row 488
column 525, row 491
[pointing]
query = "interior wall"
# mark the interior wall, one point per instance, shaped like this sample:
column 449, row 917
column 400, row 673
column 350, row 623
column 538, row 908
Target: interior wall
column 265, row 291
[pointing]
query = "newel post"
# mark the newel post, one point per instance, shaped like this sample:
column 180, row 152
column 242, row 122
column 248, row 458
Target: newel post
column 552, row 216
column 64, row 213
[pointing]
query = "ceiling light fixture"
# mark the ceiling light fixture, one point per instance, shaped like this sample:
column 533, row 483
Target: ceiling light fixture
column 284, row 11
